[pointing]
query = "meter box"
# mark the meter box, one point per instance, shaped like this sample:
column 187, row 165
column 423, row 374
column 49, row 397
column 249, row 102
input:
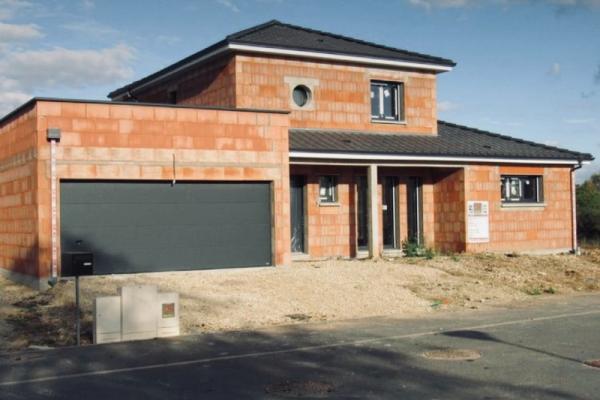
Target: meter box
column 168, row 314
column 136, row 301
column 107, row 319
column 77, row 263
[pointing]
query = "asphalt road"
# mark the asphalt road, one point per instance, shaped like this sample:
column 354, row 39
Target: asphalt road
column 534, row 351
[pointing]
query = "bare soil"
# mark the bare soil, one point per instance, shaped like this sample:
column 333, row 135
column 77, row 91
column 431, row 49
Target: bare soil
column 306, row 291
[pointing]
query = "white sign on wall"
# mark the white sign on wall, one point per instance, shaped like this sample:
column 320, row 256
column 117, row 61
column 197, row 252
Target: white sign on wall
column 478, row 222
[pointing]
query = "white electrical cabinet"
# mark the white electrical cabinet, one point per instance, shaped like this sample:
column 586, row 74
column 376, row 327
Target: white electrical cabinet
column 168, row 314
column 107, row 319
column 139, row 312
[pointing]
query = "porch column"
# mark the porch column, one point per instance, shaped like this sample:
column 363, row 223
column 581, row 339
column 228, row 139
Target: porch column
column 373, row 211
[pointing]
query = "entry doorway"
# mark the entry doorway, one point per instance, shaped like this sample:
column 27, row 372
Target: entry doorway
column 415, row 209
column 362, row 213
column 297, row 184
column 389, row 209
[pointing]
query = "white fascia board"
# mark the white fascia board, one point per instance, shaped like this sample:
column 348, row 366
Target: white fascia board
column 338, row 57
column 392, row 157
column 296, row 53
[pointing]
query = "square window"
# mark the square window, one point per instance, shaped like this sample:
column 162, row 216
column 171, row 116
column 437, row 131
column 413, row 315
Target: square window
column 387, row 101
column 521, row 189
column 328, row 189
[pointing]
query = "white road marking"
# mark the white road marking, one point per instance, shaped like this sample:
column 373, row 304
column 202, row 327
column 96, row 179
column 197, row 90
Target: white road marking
column 292, row 350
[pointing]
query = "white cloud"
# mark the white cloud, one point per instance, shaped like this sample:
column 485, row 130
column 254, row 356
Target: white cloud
column 11, row 100
column 9, row 8
column 561, row 4
column 67, row 68
column 554, row 69
column 578, row 121
column 429, row 4
column 89, row 27
column 229, row 4
column 447, row 106
column 26, row 72
column 13, row 32
column 576, row 3
column 168, row 39
column 88, row 5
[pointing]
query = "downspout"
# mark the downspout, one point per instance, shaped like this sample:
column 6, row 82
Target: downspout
column 575, row 247
column 53, row 136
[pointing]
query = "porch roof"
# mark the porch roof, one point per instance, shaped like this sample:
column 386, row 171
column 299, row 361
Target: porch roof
column 452, row 141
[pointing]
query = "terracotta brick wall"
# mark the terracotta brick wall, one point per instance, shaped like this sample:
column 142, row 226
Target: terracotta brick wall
column 449, row 209
column 523, row 229
column 18, row 212
column 211, row 84
column 105, row 141
column 341, row 93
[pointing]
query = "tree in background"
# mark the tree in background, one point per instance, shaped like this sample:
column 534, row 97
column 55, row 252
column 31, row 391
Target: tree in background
column 588, row 209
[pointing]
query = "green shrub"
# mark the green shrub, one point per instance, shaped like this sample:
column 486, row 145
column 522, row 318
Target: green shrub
column 411, row 248
column 588, row 209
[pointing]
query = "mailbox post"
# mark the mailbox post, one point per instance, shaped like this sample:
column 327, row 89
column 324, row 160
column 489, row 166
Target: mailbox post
column 77, row 263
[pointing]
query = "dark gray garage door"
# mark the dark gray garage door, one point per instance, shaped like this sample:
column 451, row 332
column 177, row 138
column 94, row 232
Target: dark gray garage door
column 153, row 226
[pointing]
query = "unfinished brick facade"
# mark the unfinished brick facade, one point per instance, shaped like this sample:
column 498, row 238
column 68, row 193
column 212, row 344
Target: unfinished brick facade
column 234, row 121
column 18, row 195
column 340, row 93
column 210, row 84
column 129, row 142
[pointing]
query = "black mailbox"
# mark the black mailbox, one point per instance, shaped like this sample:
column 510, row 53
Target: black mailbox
column 77, row 263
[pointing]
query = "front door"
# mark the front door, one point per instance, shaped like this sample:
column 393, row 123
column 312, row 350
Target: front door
column 297, row 212
column 415, row 210
column 362, row 216
column 390, row 212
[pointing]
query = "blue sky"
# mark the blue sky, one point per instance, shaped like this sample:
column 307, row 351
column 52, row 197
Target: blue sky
column 527, row 68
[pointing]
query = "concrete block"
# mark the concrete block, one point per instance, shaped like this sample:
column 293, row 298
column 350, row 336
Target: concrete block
column 168, row 314
column 107, row 319
column 138, row 314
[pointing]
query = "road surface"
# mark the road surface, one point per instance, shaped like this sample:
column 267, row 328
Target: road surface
column 533, row 351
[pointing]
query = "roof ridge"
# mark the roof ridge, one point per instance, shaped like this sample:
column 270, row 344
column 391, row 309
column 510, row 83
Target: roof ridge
column 514, row 139
column 351, row 39
column 252, row 29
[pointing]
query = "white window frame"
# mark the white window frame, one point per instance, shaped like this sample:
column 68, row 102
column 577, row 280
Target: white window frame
column 333, row 188
column 508, row 181
column 398, row 87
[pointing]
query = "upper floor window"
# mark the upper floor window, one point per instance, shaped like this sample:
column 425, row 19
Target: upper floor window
column 387, row 101
column 328, row 189
column 522, row 189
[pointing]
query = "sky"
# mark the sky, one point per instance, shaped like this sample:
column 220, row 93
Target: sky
column 525, row 68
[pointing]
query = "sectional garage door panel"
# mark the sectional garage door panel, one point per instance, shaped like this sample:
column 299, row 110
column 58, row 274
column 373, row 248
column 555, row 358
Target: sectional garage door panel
column 153, row 226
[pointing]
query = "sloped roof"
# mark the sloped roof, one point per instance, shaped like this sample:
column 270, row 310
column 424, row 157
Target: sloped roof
column 275, row 34
column 287, row 36
column 452, row 141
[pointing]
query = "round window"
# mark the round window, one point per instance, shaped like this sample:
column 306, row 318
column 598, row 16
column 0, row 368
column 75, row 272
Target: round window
column 301, row 95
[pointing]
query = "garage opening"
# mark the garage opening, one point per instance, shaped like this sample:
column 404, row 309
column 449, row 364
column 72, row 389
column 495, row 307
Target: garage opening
column 133, row 227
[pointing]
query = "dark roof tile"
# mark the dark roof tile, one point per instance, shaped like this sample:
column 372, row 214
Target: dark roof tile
column 452, row 141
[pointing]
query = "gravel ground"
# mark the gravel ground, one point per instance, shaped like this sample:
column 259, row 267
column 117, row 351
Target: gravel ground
column 307, row 291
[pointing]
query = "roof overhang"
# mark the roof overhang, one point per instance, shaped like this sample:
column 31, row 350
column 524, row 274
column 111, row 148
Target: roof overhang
column 338, row 57
column 425, row 158
column 292, row 53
